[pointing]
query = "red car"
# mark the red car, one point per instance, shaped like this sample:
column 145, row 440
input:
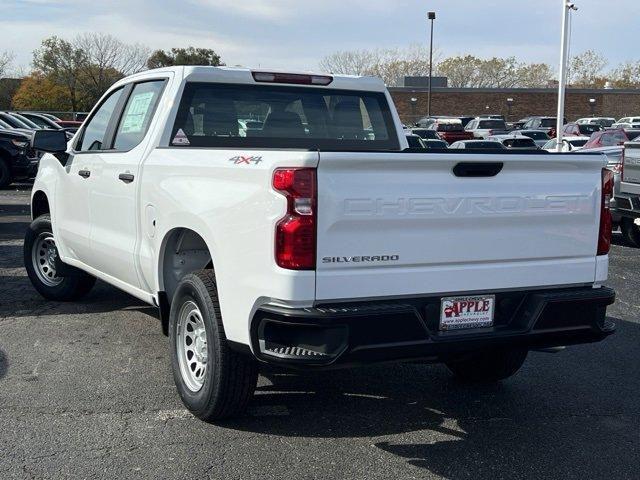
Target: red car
column 611, row 138
column 69, row 123
column 451, row 131
column 580, row 130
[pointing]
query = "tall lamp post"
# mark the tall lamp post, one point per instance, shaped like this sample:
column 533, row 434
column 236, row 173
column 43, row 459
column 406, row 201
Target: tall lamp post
column 431, row 16
column 567, row 6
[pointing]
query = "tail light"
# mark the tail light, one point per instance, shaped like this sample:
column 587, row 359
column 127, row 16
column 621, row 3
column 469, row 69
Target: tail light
column 604, row 236
column 295, row 241
column 621, row 168
column 294, row 78
column 552, row 133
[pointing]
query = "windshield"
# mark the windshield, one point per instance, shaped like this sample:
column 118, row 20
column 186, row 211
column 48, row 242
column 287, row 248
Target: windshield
column 519, row 143
column 492, row 124
column 483, row 145
column 548, row 122
column 12, row 121
column 578, row 143
column 415, row 141
column 536, row 135
column 426, row 134
column 450, row 127
column 588, row 129
column 265, row 116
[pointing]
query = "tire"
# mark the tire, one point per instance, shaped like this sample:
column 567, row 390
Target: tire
column 630, row 232
column 488, row 366
column 5, row 174
column 221, row 383
column 39, row 246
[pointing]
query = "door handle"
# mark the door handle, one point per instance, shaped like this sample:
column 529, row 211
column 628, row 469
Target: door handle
column 84, row 173
column 477, row 169
column 126, row 177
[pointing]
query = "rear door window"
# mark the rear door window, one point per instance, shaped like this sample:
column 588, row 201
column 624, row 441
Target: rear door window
column 265, row 116
column 137, row 114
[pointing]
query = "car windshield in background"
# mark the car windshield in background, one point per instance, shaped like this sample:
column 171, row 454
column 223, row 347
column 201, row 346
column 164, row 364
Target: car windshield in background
column 415, row 141
column 436, row 144
column 587, row 129
column 632, row 134
column 492, row 124
column 426, row 134
column 450, row 127
column 483, row 146
column 519, row 143
column 548, row 122
column 578, row 143
column 603, row 122
column 536, row 135
column 264, row 116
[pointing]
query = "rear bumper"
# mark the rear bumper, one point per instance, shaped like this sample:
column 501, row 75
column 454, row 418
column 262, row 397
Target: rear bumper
column 366, row 332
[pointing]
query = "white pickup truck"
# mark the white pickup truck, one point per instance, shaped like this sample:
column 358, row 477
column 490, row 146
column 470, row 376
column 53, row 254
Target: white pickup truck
column 280, row 218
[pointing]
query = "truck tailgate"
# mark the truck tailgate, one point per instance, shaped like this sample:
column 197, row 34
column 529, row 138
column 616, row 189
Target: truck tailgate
column 631, row 171
column 392, row 224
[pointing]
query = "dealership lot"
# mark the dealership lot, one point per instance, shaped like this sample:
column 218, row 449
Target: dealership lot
column 86, row 389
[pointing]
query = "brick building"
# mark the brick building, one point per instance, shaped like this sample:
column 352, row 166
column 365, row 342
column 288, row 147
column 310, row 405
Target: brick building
column 526, row 102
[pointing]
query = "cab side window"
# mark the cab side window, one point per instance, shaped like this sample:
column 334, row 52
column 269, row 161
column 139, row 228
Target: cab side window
column 95, row 131
column 137, row 114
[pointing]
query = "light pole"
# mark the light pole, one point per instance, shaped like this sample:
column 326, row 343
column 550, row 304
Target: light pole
column 567, row 6
column 414, row 102
column 431, row 16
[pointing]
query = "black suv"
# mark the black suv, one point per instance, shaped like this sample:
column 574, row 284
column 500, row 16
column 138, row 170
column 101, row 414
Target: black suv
column 17, row 159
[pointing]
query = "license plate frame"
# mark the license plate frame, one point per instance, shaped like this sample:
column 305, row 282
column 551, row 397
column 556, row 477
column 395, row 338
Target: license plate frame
column 467, row 312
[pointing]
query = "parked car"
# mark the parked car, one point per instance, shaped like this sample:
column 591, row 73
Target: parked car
column 42, row 121
column 415, row 142
column 492, row 117
column 580, row 129
column 485, row 127
column 627, row 201
column 569, row 144
column 71, row 125
column 477, row 145
column 314, row 250
column 14, row 121
column 611, row 138
column 17, row 159
column 540, row 137
column 627, row 122
column 604, row 122
column 451, row 130
column 31, row 125
column 425, row 133
column 548, row 124
column 515, row 142
column 519, row 124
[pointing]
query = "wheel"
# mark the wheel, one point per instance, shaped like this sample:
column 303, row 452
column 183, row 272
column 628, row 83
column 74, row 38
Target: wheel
column 5, row 174
column 489, row 365
column 213, row 381
column 40, row 253
column 630, row 232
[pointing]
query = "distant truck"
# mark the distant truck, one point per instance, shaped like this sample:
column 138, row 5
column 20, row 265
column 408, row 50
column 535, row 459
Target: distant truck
column 315, row 238
column 627, row 201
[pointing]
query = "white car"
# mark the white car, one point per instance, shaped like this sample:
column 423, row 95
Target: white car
column 486, row 127
column 627, row 122
column 318, row 240
column 569, row 144
column 604, row 122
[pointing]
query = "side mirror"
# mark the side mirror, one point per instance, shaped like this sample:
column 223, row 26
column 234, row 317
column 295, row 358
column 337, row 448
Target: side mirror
column 50, row 141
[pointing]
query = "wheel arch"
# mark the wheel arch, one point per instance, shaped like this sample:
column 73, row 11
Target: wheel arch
column 39, row 204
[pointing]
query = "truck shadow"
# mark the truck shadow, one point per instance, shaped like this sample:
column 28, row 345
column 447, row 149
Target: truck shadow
column 568, row 415
column 4, row 364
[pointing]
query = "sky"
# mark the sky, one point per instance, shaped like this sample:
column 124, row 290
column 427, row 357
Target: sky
column 296, row 34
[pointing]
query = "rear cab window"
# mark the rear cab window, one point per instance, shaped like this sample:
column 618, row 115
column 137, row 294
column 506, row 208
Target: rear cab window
column 492, row 124
column 273, row 116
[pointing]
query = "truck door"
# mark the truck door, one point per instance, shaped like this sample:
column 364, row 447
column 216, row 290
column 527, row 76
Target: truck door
column 113, row 195
column 72, row 212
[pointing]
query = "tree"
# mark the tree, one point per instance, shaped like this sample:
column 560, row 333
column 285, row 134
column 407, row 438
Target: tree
column 627, row 75
column 586, row 70
column 62, row 63
column 184, row 56
column 107, row 61
column 37, row 92
column 6, row 60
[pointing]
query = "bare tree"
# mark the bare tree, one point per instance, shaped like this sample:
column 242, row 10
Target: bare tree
column 6, row 62
column 586, row 69
column 627, row 75
column 390, row 64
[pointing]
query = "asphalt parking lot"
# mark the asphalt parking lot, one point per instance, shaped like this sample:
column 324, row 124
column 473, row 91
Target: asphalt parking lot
column 86, row 391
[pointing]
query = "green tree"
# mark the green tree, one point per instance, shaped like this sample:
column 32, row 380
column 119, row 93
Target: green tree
column 184, row 56
column 63, row 63
column 37, row 92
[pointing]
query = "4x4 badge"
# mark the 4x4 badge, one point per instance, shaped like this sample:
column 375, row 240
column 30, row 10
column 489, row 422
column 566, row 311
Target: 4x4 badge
column 240, row 160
